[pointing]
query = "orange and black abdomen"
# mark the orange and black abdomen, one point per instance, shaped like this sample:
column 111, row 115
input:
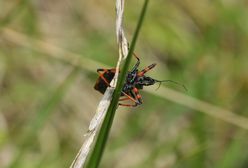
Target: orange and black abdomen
column 101, row 85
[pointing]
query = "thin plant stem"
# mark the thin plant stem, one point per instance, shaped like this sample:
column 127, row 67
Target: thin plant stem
column 98, row 150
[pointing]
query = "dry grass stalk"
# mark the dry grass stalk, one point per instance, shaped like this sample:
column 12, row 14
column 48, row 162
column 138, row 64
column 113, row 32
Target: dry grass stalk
column 102, row 108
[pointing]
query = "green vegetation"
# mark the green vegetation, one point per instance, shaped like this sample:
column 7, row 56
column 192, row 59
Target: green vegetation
column 46, row 105
column 98, row 150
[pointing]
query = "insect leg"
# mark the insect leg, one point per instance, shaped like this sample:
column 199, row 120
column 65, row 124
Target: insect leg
column 141, row 73
column 137, row 63
column 136, row 66
column 128, row 105
column 129, row 97
column 125, row 98
column 137, row 95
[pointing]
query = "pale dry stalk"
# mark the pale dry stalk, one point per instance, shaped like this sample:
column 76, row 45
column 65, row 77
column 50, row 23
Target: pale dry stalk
column 102, row 108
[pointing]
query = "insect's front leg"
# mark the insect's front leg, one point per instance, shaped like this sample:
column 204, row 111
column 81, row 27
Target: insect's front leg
column 137, row 63
column 131, row 97
column 141, row 73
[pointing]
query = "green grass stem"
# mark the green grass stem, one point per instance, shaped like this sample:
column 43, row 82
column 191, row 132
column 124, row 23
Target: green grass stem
column 98, row 150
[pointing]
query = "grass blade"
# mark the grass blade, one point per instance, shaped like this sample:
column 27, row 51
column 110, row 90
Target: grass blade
column 98, row 150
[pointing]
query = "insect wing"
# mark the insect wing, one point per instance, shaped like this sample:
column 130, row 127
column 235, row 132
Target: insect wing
column 101, row 85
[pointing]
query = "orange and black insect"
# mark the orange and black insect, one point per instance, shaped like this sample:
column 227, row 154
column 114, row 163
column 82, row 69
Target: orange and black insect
column 135, row 81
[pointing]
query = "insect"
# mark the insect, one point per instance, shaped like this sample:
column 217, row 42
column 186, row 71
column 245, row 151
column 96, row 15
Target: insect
column 135, row 81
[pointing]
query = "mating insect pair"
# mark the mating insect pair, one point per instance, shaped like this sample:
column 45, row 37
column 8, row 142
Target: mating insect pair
column 135, row 81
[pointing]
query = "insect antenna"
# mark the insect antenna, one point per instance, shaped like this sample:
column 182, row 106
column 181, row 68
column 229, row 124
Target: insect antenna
column 171, row 82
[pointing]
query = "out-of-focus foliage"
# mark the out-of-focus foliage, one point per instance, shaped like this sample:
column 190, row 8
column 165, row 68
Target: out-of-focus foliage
column 46, row 105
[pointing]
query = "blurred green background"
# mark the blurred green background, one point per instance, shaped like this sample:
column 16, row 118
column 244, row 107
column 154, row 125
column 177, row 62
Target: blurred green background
column 46, row 101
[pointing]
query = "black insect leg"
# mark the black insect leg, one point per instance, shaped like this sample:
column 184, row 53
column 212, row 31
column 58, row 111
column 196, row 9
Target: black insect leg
column 137, row 63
